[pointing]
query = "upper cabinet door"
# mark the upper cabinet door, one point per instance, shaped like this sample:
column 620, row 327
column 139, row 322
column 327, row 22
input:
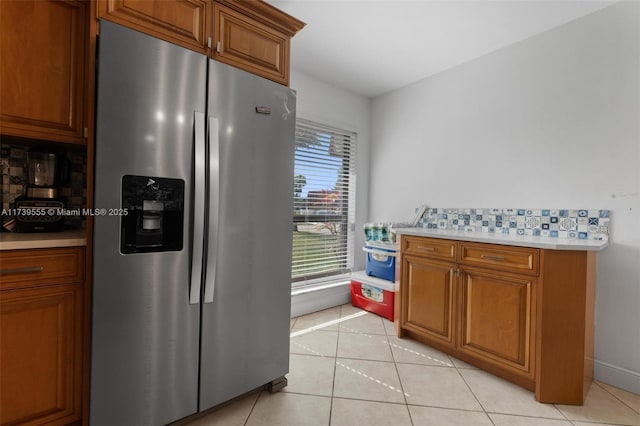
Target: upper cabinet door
column 42, row 63
column 186, row 23
column 254, row 36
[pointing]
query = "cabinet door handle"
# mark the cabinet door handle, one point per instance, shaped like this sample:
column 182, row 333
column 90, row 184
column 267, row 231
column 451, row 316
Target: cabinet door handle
column 488, row 256
column 426, row 248
column 21, row 270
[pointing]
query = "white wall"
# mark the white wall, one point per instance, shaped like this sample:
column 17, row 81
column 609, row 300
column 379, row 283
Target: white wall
column 336, row 107
column 549, row 122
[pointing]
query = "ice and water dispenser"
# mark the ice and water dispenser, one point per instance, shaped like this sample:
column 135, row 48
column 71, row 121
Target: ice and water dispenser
column 155, row 214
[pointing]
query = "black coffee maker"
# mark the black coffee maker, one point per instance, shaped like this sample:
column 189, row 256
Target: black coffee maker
column 40, row 209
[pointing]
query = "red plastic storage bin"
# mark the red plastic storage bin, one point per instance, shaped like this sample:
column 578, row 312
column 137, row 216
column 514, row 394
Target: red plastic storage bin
column 373, row 294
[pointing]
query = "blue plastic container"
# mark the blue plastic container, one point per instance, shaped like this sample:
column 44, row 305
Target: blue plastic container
column 381, row 260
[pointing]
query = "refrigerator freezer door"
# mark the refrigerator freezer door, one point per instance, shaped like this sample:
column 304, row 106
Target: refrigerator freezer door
column 245, row 331
column 145, row 334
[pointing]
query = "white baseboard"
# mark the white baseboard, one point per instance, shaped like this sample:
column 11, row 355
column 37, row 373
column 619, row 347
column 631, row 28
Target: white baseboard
column 317, row 299
column 617, row 376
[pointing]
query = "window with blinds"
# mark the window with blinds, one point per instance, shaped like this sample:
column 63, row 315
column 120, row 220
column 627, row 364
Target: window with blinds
column 324, row 202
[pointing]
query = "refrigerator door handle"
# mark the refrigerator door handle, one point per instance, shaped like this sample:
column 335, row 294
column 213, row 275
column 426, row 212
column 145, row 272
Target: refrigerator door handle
column 198, row 209
column 214, row 198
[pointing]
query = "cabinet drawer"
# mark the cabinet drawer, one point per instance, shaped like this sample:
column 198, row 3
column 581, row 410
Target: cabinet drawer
column 505, row 258
column 29, row 268
column 429, row 247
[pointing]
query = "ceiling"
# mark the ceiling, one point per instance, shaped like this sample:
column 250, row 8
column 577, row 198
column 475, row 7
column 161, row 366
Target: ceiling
column 375, row 46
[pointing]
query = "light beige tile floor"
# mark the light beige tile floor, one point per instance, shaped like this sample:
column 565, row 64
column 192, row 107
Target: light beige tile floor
column 347, row 368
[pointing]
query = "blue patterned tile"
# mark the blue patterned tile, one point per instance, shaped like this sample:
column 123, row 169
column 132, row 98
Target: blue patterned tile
column 568, row 224
column 532, row 222
column 582, row 235
column 535, row 222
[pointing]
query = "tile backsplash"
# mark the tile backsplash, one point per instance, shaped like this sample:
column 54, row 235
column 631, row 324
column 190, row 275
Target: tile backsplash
column 583, row 224
column 13, row 163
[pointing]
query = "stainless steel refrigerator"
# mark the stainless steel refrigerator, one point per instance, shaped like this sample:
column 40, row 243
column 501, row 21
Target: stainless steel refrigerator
column 191, row 270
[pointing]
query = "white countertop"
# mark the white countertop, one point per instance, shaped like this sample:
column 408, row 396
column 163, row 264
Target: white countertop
column 18, row 241
column 506, row 239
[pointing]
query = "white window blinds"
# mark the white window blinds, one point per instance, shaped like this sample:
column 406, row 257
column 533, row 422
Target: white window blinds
column 324, row 201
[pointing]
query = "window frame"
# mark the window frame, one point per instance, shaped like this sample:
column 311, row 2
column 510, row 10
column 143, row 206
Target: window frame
column 346, row 216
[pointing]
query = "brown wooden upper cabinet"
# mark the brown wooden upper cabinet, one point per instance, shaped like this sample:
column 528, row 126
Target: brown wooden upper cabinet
column 254, row 36
column 42, row 69
column 183, row 22
column 248, row 34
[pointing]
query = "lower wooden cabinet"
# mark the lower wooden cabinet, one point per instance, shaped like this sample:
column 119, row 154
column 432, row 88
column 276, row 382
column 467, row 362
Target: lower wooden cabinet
column 41, row 351
column 429, row 296
column 524, row 314
column 497, row 319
